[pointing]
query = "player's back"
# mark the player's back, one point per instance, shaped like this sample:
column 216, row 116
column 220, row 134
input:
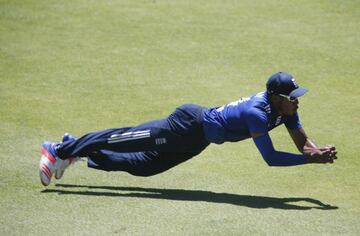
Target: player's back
column 230, row 122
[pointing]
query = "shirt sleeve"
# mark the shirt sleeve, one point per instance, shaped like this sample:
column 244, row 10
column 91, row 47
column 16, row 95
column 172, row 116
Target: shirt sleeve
column 257, row 121
column 293, row 122
column 276, row 158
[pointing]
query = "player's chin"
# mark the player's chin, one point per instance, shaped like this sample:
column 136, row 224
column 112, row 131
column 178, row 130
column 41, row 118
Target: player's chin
column 291, row 112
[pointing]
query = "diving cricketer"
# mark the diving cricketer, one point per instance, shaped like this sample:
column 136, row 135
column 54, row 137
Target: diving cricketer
column 156, row 146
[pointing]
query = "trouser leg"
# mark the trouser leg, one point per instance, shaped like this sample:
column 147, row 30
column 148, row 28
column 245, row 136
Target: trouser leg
column 143, row 150
column 151, row 136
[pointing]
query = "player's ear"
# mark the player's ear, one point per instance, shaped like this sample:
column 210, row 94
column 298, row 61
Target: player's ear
column 276, row 101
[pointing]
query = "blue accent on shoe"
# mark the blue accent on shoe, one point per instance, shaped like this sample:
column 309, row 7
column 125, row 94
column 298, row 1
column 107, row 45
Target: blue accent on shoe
column 68, row 137
column 50, row 147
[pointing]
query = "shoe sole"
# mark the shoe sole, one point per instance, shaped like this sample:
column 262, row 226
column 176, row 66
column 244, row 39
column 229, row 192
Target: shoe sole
column 57, row 176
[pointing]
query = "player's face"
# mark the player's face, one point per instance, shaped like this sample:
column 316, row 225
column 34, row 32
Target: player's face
column 289, row 105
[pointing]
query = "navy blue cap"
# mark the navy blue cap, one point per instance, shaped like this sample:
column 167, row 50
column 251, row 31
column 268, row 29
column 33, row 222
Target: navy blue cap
column 285, row 84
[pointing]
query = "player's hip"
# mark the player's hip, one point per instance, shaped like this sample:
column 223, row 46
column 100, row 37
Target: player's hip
column 187, row 122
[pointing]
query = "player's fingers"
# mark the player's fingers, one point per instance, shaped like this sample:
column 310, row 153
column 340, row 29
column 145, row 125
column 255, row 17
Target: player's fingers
column 333, row 153
column 326, row 152
column 327, row 147
column 329, row 157
column 332, row 159
column 330, row 146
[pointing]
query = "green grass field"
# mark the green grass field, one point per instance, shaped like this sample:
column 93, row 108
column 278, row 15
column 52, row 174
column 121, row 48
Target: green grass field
column 81, row 66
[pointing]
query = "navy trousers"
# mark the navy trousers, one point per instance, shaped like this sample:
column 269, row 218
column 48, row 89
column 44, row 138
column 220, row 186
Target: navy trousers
column 143, row 150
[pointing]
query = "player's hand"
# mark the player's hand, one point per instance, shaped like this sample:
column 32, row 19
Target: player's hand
column 330, row 147
column 325, row 154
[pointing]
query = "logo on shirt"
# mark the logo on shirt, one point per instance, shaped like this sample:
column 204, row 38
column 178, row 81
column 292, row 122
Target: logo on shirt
column 233, row 104
column 268, row 109
column 278, row 120
column 160, row 141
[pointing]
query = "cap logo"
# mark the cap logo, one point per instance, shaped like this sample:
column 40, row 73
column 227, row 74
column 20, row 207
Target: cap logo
column 294, row 82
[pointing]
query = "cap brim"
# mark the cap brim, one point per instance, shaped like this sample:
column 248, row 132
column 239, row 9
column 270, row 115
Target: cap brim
column 298, row 92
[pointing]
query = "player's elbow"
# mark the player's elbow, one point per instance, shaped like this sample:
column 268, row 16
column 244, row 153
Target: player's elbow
column 271, row 160
column 268, row 153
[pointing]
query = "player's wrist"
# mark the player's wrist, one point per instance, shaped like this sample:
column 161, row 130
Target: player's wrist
column 309, row 158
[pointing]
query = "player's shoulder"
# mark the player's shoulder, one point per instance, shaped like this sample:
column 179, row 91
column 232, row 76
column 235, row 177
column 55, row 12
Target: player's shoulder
column 260, row 101
column 258, row 106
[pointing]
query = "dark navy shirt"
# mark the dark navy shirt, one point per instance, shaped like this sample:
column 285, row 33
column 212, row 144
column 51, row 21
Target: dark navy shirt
column 237, row 120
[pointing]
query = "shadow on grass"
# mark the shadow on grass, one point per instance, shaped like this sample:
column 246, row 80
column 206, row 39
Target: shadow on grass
column 194, row 195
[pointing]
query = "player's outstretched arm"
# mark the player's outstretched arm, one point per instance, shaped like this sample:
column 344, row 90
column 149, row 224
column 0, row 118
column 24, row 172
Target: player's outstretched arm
column 313, row 153
column 275, row 158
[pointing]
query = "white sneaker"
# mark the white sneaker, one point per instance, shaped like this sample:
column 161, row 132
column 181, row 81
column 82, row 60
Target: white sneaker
column 61, row 165
column 48, row 161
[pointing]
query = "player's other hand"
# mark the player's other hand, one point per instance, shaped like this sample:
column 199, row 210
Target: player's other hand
column 325, row 154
